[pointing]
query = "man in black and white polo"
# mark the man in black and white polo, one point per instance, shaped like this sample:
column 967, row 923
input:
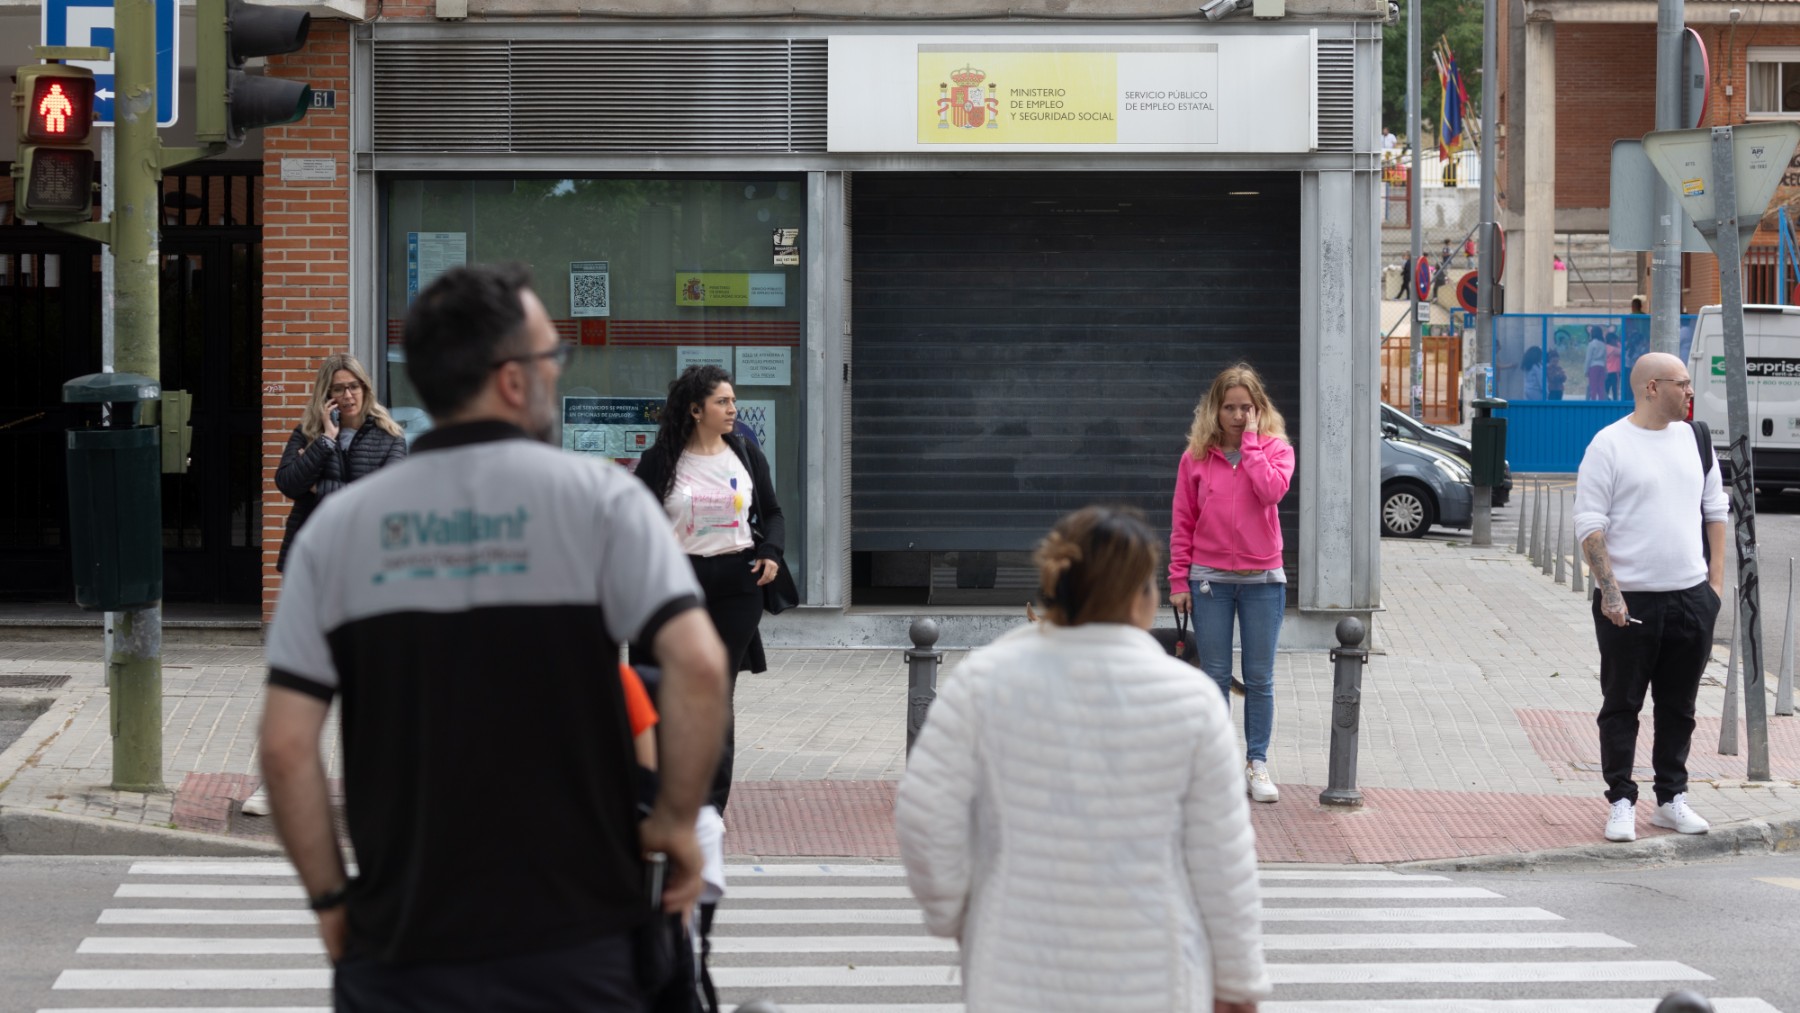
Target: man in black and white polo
column 467, row 605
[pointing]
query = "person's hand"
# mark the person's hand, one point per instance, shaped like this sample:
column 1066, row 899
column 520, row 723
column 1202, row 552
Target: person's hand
column 765, row 570
column 1227, row 1006
column 1612, row 606
column 1181, row 600
column 331, row 426
column 1250, row 420
column 674, row 838
column 334, row 926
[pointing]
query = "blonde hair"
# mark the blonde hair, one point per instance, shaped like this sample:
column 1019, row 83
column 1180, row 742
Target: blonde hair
column 1205, row 430
column 1093, row 563
column 313, row 422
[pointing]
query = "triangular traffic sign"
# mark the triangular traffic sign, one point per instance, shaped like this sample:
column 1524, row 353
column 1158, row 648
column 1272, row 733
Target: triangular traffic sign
column 1684, row 159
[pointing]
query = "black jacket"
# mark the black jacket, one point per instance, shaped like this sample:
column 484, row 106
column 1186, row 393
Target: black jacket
column 309, row 472
column 767, row 527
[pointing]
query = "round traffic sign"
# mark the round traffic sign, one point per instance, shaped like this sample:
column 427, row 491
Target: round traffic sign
column 1422, row 278
column 1468, row 290
column 1696, row 77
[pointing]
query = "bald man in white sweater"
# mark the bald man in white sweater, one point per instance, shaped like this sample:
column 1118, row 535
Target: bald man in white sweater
column 1642, row 499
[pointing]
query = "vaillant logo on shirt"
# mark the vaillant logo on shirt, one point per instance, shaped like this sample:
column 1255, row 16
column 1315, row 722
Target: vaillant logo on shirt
column 460, row 527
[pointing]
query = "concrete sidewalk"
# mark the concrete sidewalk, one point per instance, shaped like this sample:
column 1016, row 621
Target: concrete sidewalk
column 1478, row 742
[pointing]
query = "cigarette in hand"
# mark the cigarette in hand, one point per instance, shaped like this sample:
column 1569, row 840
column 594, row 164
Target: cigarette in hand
column 1640, row 622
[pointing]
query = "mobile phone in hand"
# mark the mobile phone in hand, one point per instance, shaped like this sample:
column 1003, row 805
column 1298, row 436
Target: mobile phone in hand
column 335, row 416
column 656, row 866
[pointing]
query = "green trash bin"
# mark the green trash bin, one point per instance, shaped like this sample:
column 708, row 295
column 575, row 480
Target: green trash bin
column 115, row 497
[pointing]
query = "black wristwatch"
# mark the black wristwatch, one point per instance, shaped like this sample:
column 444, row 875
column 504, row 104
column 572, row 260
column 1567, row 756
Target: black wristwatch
column 330, row 898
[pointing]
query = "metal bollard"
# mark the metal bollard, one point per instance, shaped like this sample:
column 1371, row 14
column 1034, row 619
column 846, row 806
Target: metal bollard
column 1784, row 680
column 1728, row 722
column 1575, row 581
column 1561, row 534
column 922, row 660
column 1347, row 661
column 1524, row 517
column 1684, row 1001
column 1540, row 532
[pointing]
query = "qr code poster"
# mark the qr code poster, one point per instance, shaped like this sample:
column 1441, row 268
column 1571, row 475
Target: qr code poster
column 590, row 289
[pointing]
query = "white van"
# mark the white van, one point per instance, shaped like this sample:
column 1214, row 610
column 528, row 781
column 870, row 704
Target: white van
column 1772, row 354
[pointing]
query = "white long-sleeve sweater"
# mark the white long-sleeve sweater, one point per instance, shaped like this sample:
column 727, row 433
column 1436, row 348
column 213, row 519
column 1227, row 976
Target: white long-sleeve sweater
column 1073, row 812
column 1642, row 488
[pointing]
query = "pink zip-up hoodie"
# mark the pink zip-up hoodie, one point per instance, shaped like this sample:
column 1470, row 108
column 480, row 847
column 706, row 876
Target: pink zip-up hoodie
column 1225, row 516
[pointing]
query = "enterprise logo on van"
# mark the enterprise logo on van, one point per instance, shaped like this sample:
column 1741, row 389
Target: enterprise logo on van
column 1762, row 368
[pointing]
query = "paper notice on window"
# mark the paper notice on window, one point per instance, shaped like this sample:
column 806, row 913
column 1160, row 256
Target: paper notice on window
column 590, row 288
column 757, row 419
column 702, row 355
column 764, row 367
column 429, row 254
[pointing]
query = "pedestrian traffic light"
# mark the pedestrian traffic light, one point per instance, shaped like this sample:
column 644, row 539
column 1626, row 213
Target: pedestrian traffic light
column 53, row 177
column 231, row 102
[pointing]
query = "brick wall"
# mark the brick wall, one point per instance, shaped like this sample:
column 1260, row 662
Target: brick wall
column 306, row 261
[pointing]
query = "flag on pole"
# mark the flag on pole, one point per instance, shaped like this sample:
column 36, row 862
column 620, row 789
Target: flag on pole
column 1452, row 135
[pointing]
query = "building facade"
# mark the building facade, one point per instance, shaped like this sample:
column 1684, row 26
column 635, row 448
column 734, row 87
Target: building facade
column 969, row 270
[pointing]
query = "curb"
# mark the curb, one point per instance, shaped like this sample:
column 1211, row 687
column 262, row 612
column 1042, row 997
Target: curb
column 1751, row 837
column 36, row 832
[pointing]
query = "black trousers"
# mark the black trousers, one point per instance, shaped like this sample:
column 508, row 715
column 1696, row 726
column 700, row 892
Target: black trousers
column 600, row 975
column 735, row 603
column 1665, row 655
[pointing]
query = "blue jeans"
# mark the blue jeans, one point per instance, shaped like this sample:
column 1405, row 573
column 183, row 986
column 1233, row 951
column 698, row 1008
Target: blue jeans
column 1254, row 610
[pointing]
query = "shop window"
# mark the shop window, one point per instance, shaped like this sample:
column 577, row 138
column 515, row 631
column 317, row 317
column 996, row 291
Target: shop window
column 644, row 276
column 1774, row 82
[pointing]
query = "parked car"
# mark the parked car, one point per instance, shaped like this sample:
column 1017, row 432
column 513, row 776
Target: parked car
column 1446, row 440
column 1421, row 487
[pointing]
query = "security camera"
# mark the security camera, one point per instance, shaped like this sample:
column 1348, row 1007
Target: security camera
column 1393, row 17
column 1735, row 15
column 1216, row 10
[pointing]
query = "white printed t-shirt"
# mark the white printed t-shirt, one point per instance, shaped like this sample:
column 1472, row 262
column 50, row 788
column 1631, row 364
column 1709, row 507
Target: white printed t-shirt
column 710, row 504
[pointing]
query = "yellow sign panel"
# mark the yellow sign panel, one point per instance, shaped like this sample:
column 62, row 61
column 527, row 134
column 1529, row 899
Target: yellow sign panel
column 1693, row 187
column 712, row 288
column 1032, row 95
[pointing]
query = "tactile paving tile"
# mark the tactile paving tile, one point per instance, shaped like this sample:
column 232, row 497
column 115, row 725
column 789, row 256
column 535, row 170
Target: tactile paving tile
column 33, row 681
column 855, row 819
column 1569, row 742
column 837, row 819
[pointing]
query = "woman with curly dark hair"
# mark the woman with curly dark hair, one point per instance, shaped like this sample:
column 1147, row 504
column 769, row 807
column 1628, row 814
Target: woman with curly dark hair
column 716, row 488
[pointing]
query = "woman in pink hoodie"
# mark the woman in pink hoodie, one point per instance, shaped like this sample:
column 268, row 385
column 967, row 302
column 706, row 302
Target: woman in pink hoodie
column 1225, row 548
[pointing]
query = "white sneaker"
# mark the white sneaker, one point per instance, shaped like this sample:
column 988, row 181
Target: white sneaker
column 1675, row 815
column 258, row 802
column 1261, row 788
column 1621, row 823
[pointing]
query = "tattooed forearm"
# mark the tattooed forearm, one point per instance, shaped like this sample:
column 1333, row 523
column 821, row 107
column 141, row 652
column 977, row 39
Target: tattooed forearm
column 1593, row 549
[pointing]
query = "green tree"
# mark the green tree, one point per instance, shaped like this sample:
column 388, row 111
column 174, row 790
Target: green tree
column 1458, row 21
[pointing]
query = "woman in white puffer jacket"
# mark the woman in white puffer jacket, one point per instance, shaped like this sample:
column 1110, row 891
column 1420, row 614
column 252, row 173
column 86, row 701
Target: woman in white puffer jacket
column 1072, row 812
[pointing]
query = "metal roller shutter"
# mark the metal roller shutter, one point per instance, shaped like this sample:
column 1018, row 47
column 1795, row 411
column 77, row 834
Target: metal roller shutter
column 1027, row 344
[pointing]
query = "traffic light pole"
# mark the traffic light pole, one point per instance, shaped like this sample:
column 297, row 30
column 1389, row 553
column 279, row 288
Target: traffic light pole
column 134, row 662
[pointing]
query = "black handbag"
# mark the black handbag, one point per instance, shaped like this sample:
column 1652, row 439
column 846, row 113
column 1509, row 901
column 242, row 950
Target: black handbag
column 1178, row 643
column 780, row 594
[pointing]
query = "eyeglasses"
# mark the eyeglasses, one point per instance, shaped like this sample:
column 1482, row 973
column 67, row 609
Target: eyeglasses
column 1683, row 384
column 559, row 355
column 339, row 390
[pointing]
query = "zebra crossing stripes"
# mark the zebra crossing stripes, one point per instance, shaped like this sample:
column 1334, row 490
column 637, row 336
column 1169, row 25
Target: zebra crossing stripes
column 1337, row 941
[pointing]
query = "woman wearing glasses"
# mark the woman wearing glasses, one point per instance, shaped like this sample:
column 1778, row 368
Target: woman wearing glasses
column 342, row 436
column 716, row 488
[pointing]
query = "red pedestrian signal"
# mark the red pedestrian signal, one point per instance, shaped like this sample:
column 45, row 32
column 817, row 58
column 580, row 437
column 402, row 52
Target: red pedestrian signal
column 53, row 175
column 59, row 107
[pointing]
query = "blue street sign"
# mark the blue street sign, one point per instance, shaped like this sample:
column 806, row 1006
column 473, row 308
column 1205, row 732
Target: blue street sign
column 90, row 23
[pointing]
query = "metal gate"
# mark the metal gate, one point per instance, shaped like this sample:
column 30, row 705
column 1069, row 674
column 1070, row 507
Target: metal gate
column 1027, row 344
column 211, row 310
column 1443, row 376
